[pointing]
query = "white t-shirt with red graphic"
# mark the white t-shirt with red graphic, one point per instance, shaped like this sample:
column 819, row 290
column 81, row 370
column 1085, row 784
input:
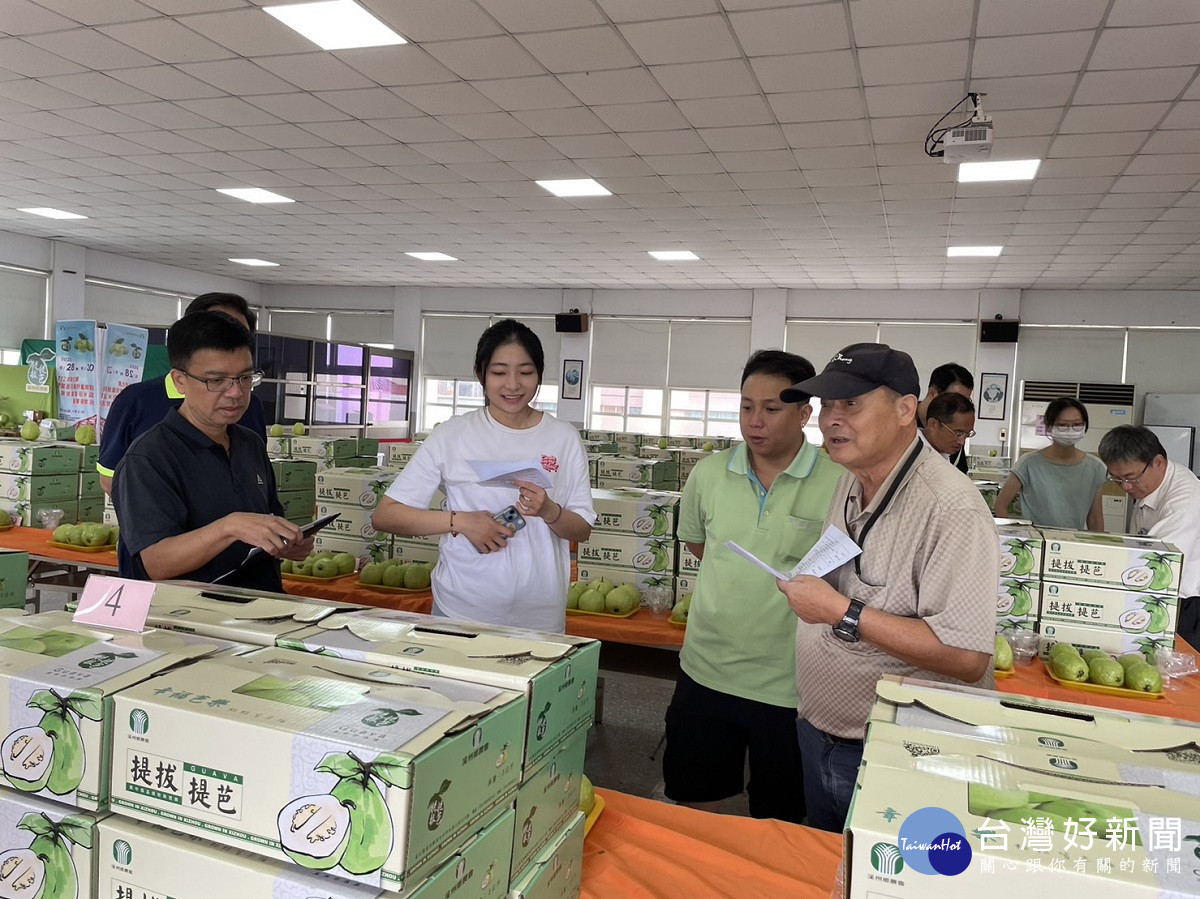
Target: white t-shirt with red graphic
column 525, row 584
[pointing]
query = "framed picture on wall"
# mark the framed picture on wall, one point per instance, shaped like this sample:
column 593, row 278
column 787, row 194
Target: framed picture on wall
column 572, row 380
column 993, row 396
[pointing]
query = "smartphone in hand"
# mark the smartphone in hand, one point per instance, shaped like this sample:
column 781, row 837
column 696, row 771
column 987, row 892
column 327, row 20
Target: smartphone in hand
column 509, row 517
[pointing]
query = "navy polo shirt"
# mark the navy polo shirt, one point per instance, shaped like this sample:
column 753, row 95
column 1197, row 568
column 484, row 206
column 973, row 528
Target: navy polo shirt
column 140, row 407
column 174, row 479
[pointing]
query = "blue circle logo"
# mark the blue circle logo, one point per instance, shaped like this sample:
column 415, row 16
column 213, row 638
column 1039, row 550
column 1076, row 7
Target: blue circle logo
column 933, row 841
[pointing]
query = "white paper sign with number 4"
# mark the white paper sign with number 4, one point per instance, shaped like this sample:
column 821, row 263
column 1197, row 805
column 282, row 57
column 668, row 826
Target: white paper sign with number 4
column 115, row 603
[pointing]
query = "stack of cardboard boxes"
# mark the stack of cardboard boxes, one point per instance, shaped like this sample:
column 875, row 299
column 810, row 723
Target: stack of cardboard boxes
column 296, row 482
column 40, row 475
column 633, row 539
column 353, row 493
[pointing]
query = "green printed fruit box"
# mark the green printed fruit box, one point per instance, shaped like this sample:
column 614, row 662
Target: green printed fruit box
column 364, row 772
column 1177, row 770
column 1112, row 640
column 1027, row 831
column 294, row 474
column 1111, row 560
column 24, row 457
column 397, row 455
column 643, row 513
column 548, row 798
column 352, row 521
column 602, row 436
column 366, row 551
column 351, row 462
column 1020, row 551
column 298, row 504
column 279, row 448
column 89, row 457
column 408, row 549
column 14, row 579
column 232, row 613
column 368, row 448
column 28, row 514
column 327, row 448
column 688, row 560
column 362, row 487
column 643, row 580
column 39, row 488
column 89, row 485
column 59, row 679
column 628, row 471
column 600, row 446
column 556, row 672
column 151, row 861
column 650, row 554
column 1003, row 718
column 1151, row 614
column 626, row 443
column 1018, row 597
column 51, row 849
column 91, row 508
column 557, row 873
column 666, row 454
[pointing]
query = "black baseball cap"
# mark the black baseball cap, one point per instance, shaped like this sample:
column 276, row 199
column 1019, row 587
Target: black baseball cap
column 858, row 369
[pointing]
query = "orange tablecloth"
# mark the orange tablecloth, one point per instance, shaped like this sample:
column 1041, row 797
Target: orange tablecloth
column 640, row 849
column 1032, row 680
column 35, row 541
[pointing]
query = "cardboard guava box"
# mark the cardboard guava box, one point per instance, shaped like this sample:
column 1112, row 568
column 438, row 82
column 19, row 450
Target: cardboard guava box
column 397, row 455
column 1112, row 640
column 366, row 551
column 1020, row 551
column 629, row 471
column 232, row 613
column 414, row 550
column 294, row 474
column 368, row 773
column 1135, row 612
column 329, row 449
column 40, row 488
column 688, row 561
column 89, row 457
column 1001, row 717
column 643, row 580
column 50, row 850
column 89, row 485
column 362, row 487
column 685, row 584
column 24, row 457
column 548, row 798
column 980, row 802
column 279, row 448
column 650, row 554
column 152, row 861
column 556, row 672
column 1111, row 560
column 298, row 504
column 28, row 514
column 14, row 579
column 643, row 513
column 59, row 679
column 557, row 872
column 1018, row 598
column 352, row 521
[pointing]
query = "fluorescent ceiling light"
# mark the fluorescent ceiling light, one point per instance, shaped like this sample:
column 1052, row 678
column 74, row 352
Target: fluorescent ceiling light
column 336, row 24
column 673, row 255
column 973, row 251
column 1004, row 170
column 254, row 195
column 432, row 257
column 260, row 262
column 575, row 187
column 49, row 213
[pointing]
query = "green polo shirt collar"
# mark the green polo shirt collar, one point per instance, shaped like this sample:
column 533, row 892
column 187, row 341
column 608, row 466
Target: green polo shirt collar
column 801, row 467
column 169, row 384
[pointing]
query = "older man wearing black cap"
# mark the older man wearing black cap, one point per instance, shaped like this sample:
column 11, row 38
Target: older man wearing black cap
column 920, row 598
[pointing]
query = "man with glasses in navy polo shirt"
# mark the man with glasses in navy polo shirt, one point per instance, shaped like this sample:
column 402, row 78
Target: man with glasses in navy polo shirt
column 196, row 492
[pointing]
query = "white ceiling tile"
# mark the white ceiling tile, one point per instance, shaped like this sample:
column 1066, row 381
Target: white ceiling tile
column 827, row 134
column 223, row 111
column 657, row 143
column 724, row 78
column 40, row 123
column 369, row 103
column 90, row 48
column 1161, row 12
column 315, row 72
column 88, row 12
column 1124, row 117
column 248, row 32
column 802, row 29
column 668, row 41
column 912, row 99
column 1172, row 142
column 590, row 145
column 1183, row 115
column 757, row 161
column 98, row 88
column 1132, row 86
column 911, row 64
column 1025, row 92
column 485, row 57
column 609, row 168
column 436, row 20
column 239, row 77
column 414, row 130
column 726, row 112
column 167, row 41
column 808, row 72
column 1003, row 17
column 690, row 164
column 760, row 137
column 345, row 134
column 617, row 86
column 33, row 62
column 298, row 107
column 534, row 15
column 833, row 157
column 38, row 95
column 486, row 124
column 166, row 83
column 817, row 106
column 549, row 122
column 283, row 136
column 1036, row 54
column 521, row 148
column 221, row 138
column 641, row 116
column 394, row 154
column 580, row 49
column 639, row 10
column 886, row 22
column 1144, row 184
column 394, row 66
column 25, row 17
column 1130, row 48
column 540, row 92
column 446, row 99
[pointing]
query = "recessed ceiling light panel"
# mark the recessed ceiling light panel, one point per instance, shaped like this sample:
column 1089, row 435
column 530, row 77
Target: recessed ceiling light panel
column 575, row 187
column 47, row 212
column 432, row 257
column 254, row 195
column 1002, row 170
column 336, row 24
column 673, row 255
column 973, row 251
column 258, row 262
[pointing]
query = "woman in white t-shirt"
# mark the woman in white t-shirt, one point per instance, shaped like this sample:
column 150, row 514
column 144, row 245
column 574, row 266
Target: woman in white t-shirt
column 487, row 571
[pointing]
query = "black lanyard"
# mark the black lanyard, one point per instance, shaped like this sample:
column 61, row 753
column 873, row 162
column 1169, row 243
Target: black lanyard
column 879, row 510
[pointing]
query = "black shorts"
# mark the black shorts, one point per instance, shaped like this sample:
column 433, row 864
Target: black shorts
column 708, row 737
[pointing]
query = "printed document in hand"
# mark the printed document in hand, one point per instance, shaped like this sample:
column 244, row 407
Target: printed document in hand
column 831, row 551
column 506, row 474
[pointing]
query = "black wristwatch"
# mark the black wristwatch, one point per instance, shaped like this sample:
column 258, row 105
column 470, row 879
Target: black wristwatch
column 847, row 628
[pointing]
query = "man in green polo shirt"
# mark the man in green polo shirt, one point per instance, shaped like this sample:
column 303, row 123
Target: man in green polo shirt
column 737, row 692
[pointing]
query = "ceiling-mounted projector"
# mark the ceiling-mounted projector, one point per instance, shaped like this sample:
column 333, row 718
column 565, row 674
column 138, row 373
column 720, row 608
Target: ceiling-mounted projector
column 971, row 142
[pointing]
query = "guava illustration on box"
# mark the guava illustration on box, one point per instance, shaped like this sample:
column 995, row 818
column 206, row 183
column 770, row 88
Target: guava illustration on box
column 1014, row 600
column 1018, row 560
column 350, row 826
column 45, row 869
column 50, row 755
column 653, row 524
column 1153, row 574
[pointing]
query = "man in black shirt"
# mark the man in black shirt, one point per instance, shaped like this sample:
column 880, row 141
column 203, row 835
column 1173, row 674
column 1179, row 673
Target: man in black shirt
column 949, row 421
column 196, row 492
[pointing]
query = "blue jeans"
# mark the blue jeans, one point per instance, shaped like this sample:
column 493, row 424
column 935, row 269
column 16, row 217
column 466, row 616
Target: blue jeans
column 830, row 771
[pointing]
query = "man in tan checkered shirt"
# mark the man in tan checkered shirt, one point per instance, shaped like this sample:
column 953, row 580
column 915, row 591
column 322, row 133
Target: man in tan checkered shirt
column 919, row 600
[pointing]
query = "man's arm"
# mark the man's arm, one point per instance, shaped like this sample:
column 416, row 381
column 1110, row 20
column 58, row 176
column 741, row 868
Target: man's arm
column 1095, row 515
column 697, row 549
column 173, row 556
column 910, row 640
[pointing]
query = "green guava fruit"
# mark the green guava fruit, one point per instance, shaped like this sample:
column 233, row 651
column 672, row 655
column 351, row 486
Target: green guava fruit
column 417, row 577
column 285, row 566
column 1143, row 677
column 61, row 643
column 1072, row 668
column 30, row 430
column 372, row 573
column 27, row 756
column 370, row 826
column 983, row 799
column 276, row 430
column 1089, row 654
column 576, row 590
column 298, row 429
column 325, row 568
column 602, row 587
column 95, row 534
column 1106, row 670
column 587, row 795
column 1130, row 659
column 85, row 435
column 393, row 575
column 591, row 601
column 1059, row 650
column 314, row 831
column 61, row 876
column 60, row 533
column 22, row 873
column 1002, row 656
column 345, row 562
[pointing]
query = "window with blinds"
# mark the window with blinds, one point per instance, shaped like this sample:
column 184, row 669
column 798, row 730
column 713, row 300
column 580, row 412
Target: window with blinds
column 23, row 296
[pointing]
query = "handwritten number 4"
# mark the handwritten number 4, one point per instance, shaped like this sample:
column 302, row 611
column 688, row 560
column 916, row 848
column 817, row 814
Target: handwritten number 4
column 114, row 602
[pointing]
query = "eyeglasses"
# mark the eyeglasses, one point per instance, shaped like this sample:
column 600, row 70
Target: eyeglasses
column 961, row 435
column 220, row 385
column 1132, row 482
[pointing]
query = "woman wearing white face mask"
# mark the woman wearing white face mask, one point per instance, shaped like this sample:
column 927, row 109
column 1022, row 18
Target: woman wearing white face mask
column 1059, row 485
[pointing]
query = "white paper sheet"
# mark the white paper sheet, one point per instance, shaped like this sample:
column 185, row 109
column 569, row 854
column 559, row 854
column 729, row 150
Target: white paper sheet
column 831, row 551
column 506, row 474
